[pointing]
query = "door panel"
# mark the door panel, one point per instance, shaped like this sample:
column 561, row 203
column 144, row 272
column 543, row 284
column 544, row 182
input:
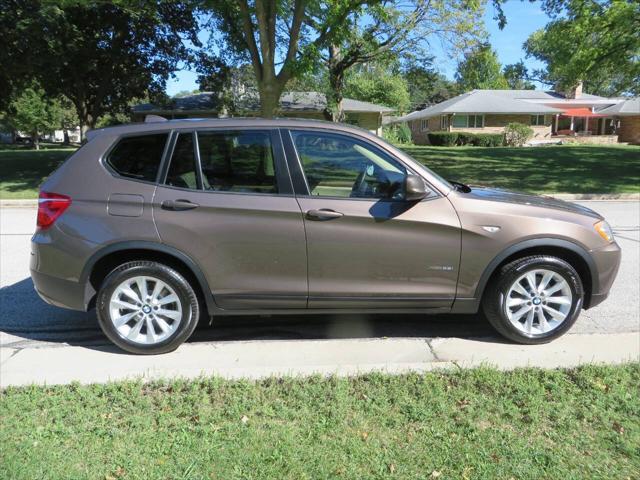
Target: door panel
column 250, row 245
column 384, row 253
column 366, row 246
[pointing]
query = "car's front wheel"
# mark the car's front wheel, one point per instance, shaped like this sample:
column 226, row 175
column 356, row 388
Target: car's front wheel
column 146, row 307
column 534, row 299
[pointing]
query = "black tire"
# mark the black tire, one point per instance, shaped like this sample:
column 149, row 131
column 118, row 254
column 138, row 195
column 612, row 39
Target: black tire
column 494, row 305
column 184, row 291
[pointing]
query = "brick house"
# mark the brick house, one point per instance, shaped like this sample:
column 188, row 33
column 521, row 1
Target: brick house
column 575, row 117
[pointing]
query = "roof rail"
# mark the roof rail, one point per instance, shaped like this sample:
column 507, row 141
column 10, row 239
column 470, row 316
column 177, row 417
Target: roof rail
column 154, row 118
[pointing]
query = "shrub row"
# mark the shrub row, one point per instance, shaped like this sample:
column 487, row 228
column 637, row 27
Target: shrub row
column 451, row 139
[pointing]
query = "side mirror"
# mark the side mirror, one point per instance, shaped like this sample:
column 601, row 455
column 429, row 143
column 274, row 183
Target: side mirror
column 414, row 188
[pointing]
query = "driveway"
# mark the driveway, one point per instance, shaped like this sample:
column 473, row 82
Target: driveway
column 26, row 322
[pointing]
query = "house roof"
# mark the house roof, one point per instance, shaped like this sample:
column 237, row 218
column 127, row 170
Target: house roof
column 625, row 108
column 484, row 101
column 548, row 95
column 289, row 102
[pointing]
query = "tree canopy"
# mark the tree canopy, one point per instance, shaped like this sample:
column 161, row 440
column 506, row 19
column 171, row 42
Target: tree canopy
column 33, row 113
column 99, row 55
column 594, row 42
column 378, row 85
column 480, row 69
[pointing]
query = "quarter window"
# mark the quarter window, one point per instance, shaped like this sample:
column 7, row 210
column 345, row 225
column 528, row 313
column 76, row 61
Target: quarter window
column 237, row 162
column 339, row 166
column 138, row 156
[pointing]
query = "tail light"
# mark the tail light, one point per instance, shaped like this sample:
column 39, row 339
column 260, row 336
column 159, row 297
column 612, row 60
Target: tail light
column 50, row 207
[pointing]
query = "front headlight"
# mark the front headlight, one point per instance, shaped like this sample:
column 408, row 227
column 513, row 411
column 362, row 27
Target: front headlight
column 604, row 230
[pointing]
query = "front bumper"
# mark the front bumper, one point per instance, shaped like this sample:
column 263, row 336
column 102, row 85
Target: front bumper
column 607, row 263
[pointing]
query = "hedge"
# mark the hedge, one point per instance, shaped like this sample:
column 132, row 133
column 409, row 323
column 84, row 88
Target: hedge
column 443, row 139
column 450, row 139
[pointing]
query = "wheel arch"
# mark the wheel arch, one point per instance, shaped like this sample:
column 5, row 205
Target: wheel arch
column 106, row 259
column 571, row 252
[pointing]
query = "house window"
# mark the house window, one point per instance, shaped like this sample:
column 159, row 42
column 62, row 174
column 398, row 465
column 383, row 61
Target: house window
column 468, row 121
column 424, row 124
column 537, row 120
column 444, row 122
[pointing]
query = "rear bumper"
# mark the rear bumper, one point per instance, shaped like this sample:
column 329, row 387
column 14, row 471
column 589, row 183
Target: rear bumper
column 59, row 292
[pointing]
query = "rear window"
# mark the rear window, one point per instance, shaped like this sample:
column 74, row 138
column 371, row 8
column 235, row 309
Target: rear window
column 139, row 156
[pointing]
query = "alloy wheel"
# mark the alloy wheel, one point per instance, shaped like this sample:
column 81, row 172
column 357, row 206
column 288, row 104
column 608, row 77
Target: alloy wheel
column 145, row 310
column 538, row 301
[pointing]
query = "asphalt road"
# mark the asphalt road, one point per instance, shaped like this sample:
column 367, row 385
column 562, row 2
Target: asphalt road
column 27, row 322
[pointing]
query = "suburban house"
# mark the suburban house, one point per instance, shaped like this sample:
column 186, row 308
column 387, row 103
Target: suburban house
column 292, row 104
column 577, row 117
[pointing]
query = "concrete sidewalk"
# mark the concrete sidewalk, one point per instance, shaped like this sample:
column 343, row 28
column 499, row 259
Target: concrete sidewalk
column 259, row 359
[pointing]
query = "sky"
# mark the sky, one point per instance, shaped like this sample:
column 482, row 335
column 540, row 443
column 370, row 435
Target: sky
column 523, row 18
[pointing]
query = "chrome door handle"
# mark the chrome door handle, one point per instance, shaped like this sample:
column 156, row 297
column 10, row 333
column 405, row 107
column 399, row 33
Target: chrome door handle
column 178, row 205
column 323, row 214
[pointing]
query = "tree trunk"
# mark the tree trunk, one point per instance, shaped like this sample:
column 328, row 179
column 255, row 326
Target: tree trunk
column 35, row 138
column 66, row 140
column 334, row 111
column 270, row 91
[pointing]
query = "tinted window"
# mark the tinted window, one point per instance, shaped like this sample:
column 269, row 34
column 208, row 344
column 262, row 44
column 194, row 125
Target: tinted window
column 138, row 157
column 237, row 161
column 182, row 170
column 339, row 166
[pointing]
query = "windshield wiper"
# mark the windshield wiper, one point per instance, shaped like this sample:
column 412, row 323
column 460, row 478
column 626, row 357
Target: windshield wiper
column 460, row 187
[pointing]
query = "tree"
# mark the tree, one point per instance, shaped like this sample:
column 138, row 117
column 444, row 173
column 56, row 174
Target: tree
column 68, row 117
column 271, row 33
column 33, row 113
column 480, row 69
column 100, row 55
column 389, row 29
column 426, row 85
column 378, row 85
column 517, row 76
column 595, row 42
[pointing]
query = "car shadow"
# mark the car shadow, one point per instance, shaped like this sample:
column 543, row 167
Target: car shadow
column 26, row 318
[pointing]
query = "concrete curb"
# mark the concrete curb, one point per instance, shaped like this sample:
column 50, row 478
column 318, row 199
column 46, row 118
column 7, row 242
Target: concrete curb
column 343, row 357
column 33, row 203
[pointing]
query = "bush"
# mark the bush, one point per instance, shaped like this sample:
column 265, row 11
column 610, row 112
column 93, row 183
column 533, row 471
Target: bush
column 398, row 134
column 443, row 139
column 517, row 134
column 488, row 140
column 465, row 138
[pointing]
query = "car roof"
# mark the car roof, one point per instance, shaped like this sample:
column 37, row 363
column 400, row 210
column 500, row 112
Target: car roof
column 231, row 122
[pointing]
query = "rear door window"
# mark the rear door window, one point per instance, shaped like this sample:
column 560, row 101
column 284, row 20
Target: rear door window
column 237, row 161
column 138, row 156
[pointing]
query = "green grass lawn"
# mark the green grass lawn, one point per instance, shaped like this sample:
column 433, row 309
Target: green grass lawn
column 22, row 170
column 551, row 169
column 475, row 424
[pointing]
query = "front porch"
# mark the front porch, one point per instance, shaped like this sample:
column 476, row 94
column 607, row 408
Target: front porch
column 582, row 125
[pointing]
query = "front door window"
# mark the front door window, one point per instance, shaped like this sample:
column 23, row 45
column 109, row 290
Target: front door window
column 343, row 167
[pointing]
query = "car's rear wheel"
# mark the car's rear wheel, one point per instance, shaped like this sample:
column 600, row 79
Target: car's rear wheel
column 146, row 307
column 534, row 299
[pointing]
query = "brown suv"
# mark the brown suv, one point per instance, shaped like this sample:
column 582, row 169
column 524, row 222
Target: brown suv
column 160, row 224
